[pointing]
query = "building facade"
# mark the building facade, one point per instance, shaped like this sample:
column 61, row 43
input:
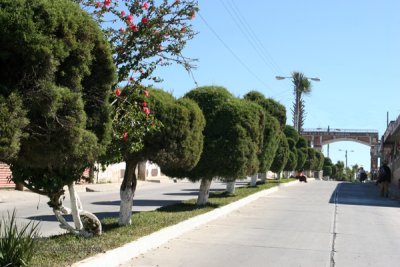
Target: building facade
column 390, row 149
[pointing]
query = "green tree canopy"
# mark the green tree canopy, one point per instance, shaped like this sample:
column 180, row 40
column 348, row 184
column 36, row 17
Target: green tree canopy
column 311, row 161
column 327, row 170
column 271, row 131
column 291, row 133
column 292, row 161
column 302, row 155
column 55, row 60
column 271, row 106
column 302, row 142
column 179, row 143
column 282, row 154
column 319, row 160
column 232, row 135
column 12, row 122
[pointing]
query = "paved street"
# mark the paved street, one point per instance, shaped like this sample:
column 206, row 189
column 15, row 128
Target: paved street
column 105, row 203
column 315, row 224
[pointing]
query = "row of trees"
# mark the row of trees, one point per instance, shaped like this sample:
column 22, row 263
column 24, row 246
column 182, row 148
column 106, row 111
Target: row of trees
column 72, row 94
column 339, row 172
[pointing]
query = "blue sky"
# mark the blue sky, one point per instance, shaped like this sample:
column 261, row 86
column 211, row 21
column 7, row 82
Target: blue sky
column 352, row 46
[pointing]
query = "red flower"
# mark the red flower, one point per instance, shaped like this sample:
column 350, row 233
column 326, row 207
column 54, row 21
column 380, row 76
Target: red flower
column 118, row 92
column 125, row 136
column 146, row 93
column 183, row 29
column 123, row 13
column 141, row 71
column 145, row 20
column 146, row 6
column 131, row 78
column 146, row 110
column 193, row 15
column 177, row 1
column 144, row 104
column 129, row 19
column 134, row 28
column 97, row 4
column 107, row 2
column 161, row 48
column 121, row 29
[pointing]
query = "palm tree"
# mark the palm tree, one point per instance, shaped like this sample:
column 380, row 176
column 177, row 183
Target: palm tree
column 302, row 85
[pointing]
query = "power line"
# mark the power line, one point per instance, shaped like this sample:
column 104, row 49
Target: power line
column 240, row 26
column 249, row 34
column 231, row 51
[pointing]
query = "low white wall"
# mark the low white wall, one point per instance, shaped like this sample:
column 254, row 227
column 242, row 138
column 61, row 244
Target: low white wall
column 114, row 173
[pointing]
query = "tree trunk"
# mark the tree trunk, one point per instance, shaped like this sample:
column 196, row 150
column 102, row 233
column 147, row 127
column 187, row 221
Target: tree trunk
column 230, row 187
column 263, row 177
column 253, row 181
column 86, row 223
column 141, row 167
column 127, row 192
column 75, row 207
column 204, row 192
column 91, row 173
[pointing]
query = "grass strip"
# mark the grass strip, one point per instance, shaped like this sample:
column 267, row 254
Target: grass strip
column 64, row 250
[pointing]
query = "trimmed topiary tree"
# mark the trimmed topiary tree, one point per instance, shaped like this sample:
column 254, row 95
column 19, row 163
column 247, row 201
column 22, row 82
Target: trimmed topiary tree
column 291, row 133
column 232, row 138
column 321, row 159
column 281, row 156
column 55, row 61
column 273, row 107
column 327, row 167
column 292, row 159
column 270, row 134
column 175, row 143
column 12, row 122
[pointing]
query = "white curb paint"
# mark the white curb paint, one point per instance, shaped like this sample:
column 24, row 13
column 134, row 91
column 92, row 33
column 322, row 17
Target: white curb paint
column 115, row 257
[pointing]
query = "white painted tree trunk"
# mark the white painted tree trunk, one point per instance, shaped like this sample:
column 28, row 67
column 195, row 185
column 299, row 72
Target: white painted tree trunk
column 127, row 192
column 76, row 205
column 230, row 187
column 125, row 209
column 89, row 226
column 253, row 181
column 204, row 192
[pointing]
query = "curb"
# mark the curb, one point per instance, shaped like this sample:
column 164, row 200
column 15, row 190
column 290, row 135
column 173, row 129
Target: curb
column 120, row 255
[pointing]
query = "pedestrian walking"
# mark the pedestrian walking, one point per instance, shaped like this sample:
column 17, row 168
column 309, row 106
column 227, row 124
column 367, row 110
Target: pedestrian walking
column 384, row 178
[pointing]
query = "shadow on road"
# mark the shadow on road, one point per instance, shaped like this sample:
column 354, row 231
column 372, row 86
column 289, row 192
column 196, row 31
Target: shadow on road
column 68, row 218
column 365, row 194
column 182, row 194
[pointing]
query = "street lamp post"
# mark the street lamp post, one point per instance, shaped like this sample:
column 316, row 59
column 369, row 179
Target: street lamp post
column 345, row 154
column 297, row 100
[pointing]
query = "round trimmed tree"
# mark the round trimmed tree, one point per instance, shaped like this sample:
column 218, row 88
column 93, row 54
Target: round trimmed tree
column 56, row 61
column 174, row 141
column 270, row 134
column 292, row 159
column 282, row 155
column 232, row 138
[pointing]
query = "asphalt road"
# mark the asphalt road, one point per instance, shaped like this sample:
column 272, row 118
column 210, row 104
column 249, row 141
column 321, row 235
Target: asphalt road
column 315, row 224
column 149, row 196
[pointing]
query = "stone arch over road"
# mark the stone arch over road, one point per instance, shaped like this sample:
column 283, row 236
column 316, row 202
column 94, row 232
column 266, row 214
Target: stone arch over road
column 323, row 136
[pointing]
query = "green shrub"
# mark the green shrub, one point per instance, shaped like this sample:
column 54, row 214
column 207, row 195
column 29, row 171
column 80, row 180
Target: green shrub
column 17, row 243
